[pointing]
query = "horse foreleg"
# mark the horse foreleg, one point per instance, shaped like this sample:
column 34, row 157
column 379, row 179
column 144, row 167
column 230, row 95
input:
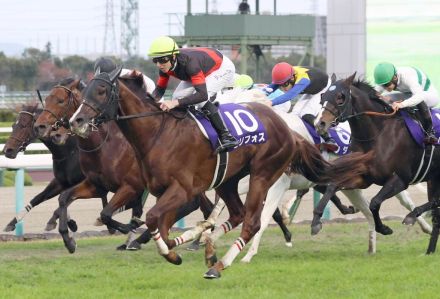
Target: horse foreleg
column 125, row 194
column 405, row 200
column 54, row 188
column 337, row 201
column 358, row 200
column 393, row 186
column 319, row 209
column 83, row 190
column 172, row 199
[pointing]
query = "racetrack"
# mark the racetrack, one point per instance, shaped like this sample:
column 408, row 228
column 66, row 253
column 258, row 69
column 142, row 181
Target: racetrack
column 85, row 211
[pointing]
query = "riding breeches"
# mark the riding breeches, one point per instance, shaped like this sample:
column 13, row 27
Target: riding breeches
column 215, row 82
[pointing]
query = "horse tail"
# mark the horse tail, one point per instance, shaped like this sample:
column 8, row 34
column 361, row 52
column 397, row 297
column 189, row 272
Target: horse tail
column 348, row 171
column 308, row 161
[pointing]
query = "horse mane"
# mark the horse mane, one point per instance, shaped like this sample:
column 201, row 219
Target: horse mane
column 69, row 80
column 373, row 95
column 32, row 107
column 135, row 82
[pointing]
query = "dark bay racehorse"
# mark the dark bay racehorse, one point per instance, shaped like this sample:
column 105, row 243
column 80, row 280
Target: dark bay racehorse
column 66, row 169
column 178, row 162
column 106, row 159
column 387, row 154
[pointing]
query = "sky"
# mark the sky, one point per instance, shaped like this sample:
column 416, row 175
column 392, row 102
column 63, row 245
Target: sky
column 77, row 27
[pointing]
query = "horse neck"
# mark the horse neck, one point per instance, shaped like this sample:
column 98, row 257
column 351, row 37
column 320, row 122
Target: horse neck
column 364, row 128
column 140, row 132
column 96, row 141
column 59, row 151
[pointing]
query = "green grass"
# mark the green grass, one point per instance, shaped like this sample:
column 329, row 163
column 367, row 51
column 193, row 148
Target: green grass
column 333, row 264
column 409, row 43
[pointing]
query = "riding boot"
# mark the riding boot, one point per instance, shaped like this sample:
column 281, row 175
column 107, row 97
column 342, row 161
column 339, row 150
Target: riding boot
column 227, row 141
column 425, row 118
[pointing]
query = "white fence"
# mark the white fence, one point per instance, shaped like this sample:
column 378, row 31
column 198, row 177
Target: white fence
column 20, row 163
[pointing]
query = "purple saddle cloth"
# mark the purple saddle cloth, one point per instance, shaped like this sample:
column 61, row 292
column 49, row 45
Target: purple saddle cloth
column 241, row 122
column 341, row 136
column 415, row 129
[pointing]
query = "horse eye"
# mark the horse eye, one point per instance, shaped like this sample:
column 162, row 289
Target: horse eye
column 340, row 99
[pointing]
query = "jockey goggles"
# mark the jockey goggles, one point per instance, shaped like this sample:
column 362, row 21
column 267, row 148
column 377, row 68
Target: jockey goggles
column 161, row 60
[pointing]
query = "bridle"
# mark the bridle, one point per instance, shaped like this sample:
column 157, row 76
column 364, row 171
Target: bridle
column 25, row 142
column 63, row 121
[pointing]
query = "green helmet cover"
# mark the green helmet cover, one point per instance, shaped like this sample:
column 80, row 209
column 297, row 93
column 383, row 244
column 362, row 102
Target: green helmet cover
column 384, row 72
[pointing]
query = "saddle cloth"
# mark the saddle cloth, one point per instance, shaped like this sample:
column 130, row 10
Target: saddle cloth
column 416, row 130
column 340, row 135
column 242, row 123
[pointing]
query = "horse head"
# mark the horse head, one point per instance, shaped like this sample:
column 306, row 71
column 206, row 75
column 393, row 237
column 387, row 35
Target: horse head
column 59, row 106
column 22, row 131
column 336, row 104
column 100, row 103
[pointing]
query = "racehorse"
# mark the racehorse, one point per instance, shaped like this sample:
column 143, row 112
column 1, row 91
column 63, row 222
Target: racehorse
column 178, row 162
column 298, row 182
column 385, row 153
column 66, row 169
column 106, row 159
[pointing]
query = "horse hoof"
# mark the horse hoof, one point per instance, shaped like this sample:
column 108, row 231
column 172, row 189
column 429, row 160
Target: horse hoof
column 72, row 225
column 11, row 225
column 70, row 245
column 9, row 228
column 316, row 229
column 133, row 246
column 122, row 247
column 173, row 258
column 246, row 259
column 212, row 274
column 409, row 220
column 111, row 230
column 50, row 226
column 193, row 246
column 384, row 230
column 289, row 244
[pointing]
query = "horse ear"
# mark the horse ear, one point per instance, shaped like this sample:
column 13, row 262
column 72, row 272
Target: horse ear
column 350, row 79
column 98, row 71
column 115, row 73
column 333, row 78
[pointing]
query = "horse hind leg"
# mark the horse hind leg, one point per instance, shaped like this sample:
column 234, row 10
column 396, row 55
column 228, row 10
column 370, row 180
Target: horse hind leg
column 273, row 198
column 435, row 231
column 392, row 187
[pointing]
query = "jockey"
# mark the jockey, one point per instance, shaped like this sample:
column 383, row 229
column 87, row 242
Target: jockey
column 412, row 80
column 203, row 72
column 106, row 65
column 296, row 80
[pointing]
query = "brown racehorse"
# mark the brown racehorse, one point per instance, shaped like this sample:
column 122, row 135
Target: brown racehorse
column 106, row 159
column 66, row 169
column 388, row 155
column 178, row 162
